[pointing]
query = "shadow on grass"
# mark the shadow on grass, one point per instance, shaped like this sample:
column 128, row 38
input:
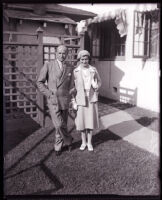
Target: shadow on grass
column 146, row 121
column 100, row 138
column 112, row 133
column 28, row 152
column 104, row 136
column 124, row 128
column 14, row 137
column 115, row 104
column 52, row 177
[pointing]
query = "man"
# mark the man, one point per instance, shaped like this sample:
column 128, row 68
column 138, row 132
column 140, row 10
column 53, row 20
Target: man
column 58, row 75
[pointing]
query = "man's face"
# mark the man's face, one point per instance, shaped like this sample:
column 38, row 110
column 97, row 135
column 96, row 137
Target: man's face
column 61, row 53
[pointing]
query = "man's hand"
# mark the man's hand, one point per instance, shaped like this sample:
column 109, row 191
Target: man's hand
column 73, row 106
column 73, row 92
column 53, row 99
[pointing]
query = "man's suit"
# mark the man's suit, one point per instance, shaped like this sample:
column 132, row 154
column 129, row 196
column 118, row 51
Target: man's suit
column 58, row 98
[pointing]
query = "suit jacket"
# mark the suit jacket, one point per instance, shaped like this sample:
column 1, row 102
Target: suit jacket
column 79, row 85
column 58, row 83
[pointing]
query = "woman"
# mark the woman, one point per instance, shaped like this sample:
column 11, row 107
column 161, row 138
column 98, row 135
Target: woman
column 87, row 82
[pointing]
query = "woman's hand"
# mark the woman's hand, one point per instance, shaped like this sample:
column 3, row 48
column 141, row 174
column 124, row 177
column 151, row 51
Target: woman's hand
column 95, row 83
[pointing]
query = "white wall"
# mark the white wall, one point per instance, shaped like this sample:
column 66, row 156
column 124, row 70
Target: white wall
column 131, row 80
column 136, row 82
column 104, row 71
column 149, row 87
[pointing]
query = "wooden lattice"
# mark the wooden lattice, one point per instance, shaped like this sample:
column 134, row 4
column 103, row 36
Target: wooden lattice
column 19, row 77
column 50, row 54
column 22, row 62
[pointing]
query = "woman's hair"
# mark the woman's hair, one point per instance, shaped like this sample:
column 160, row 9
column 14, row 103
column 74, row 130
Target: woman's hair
column 83, row 53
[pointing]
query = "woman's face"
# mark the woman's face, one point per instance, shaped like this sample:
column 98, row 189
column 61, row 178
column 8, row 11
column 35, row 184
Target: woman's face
column 84, row 61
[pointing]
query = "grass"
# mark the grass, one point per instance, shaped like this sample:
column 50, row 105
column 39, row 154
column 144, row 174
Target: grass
column 115, row 166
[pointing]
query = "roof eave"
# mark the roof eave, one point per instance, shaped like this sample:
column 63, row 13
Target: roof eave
column 43, row 20
column 83, row 15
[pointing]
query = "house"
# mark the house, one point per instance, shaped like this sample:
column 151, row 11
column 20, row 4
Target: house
column 124, row 45
column 54, row 19
column 31, row 33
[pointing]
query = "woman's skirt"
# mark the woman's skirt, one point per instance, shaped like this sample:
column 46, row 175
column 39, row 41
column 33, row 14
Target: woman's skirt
column 87, row 116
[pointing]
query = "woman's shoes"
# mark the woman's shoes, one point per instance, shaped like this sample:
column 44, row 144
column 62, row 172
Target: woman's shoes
column 82, row 147
column 90, row 147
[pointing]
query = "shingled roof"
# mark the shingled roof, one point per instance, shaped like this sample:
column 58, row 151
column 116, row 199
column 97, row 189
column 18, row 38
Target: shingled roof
column 73, row 13
column 18, row 14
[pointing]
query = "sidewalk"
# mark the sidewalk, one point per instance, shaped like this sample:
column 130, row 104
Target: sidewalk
column 130, row 127
column 125, row 160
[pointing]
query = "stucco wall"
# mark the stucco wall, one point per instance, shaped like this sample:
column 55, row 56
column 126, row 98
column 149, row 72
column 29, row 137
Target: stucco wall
column 104, row 71
column 131, row 81
column 149, row 86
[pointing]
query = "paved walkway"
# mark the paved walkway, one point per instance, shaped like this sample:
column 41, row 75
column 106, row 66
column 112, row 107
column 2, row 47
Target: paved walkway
column 125, row 126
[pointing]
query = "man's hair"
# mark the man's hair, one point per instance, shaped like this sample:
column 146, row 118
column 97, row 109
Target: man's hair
column 62, row 46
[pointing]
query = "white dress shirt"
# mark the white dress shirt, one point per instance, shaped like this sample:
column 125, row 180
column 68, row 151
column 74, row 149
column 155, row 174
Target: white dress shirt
column 60, row 65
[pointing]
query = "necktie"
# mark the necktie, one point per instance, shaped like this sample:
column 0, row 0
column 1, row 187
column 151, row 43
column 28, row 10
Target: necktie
column 60, row 64
column 61, row 68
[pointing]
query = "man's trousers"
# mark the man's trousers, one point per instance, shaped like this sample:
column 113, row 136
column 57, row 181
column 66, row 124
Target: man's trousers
column 59, row 119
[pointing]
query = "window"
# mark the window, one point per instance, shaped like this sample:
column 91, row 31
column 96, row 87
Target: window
column 53, row 40
column 112, row 45
column 49, row 53
column 154, row 39
column 95, row 51
column 146, row 34
column 106, row 41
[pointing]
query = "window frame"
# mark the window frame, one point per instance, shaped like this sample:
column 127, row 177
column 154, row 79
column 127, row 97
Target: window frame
column 113, row 56
column 95, row 26
column 149, row 54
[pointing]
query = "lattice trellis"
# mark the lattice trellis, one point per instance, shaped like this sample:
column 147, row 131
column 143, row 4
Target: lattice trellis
column 19, row 77
column 50, row 54
column 21, row 65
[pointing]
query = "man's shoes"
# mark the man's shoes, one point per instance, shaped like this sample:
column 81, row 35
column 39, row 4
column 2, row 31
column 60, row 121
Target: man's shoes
column 70, row 146
column 58, row 153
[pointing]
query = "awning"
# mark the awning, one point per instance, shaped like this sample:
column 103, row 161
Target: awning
column 120, row 16
column 116, row 12
column 120, row 19
column 102, row 17
column 32, row 16
column 145, row 7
